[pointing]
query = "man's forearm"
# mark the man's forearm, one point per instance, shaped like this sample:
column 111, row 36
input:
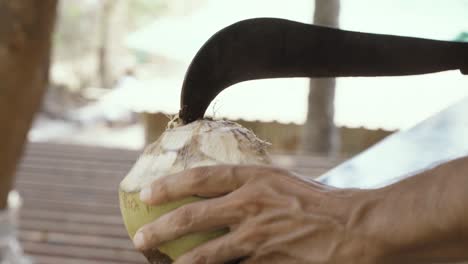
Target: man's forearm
column 423, row 218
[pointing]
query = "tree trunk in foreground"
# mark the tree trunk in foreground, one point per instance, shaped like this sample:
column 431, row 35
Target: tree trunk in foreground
column 320, row 134
column 25, row 39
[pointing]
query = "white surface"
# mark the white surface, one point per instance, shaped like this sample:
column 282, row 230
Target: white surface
column 396, row 102
column 441, row 138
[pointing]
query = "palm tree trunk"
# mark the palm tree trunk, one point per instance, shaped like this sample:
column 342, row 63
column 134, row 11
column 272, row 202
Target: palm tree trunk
column 320, row 134
column 25, row 39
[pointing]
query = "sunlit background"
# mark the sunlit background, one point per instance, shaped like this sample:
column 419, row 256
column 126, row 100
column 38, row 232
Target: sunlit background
column 116, row 60
column 115, row 82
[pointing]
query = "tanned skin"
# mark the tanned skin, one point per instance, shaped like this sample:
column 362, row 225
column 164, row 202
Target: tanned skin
column 278, row 217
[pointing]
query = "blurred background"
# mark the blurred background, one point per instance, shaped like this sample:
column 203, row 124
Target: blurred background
column 118, row 67
column 115, row 77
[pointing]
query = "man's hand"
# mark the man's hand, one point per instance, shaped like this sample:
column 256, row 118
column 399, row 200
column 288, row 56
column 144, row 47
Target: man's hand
column 273, row 216
column 277, row 217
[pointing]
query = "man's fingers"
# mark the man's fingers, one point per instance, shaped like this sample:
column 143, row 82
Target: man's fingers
column 195, row 217
column 207, row 181
column 217, row 251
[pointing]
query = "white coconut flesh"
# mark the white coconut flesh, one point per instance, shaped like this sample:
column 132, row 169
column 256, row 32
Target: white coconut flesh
column 201, row 143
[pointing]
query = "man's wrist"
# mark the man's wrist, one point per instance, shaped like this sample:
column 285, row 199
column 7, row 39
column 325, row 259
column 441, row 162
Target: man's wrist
column 357, row 211
column 364, row 220
column 418, row 219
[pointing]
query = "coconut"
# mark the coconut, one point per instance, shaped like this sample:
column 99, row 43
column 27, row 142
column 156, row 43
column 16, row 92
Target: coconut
column 200, row 143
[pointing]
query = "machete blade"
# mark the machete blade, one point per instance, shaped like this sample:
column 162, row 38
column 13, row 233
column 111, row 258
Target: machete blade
column 276, row 48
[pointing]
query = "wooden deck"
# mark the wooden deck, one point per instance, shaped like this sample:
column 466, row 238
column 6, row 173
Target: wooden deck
column 71, row 210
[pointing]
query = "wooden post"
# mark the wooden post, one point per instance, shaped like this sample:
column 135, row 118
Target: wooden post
column 320, row 134
column 104, row 71
column 25, row 39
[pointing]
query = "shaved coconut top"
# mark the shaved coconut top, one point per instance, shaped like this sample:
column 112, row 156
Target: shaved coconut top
column 201, row 143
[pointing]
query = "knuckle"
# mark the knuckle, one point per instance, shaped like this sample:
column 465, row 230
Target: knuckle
column 198, row 255
column 159, row 190
column 233, row 171
column 149, row 236
column 198, row 176
column 252, row 208
column 200, row 258
column 266, row 177
column 182, row 218
column 206, row 254
column 248, row 202
column 233, row 175
column 250, row 238
column 259, row 174
column 145, row 230
column 272, row 171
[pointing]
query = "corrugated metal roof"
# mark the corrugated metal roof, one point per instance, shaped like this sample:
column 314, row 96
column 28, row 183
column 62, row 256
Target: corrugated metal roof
column 390, row 103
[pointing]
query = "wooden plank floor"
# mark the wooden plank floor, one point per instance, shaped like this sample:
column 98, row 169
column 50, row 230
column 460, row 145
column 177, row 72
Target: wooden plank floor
column 71, row 212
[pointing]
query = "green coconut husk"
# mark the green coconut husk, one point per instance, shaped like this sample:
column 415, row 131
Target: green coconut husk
column 201, row 143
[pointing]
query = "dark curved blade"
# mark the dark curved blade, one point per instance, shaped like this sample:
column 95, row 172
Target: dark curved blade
column 275, row 48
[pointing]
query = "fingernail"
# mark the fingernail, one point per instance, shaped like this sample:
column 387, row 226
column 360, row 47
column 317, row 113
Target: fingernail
column 145, row 194
column 139, row 240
